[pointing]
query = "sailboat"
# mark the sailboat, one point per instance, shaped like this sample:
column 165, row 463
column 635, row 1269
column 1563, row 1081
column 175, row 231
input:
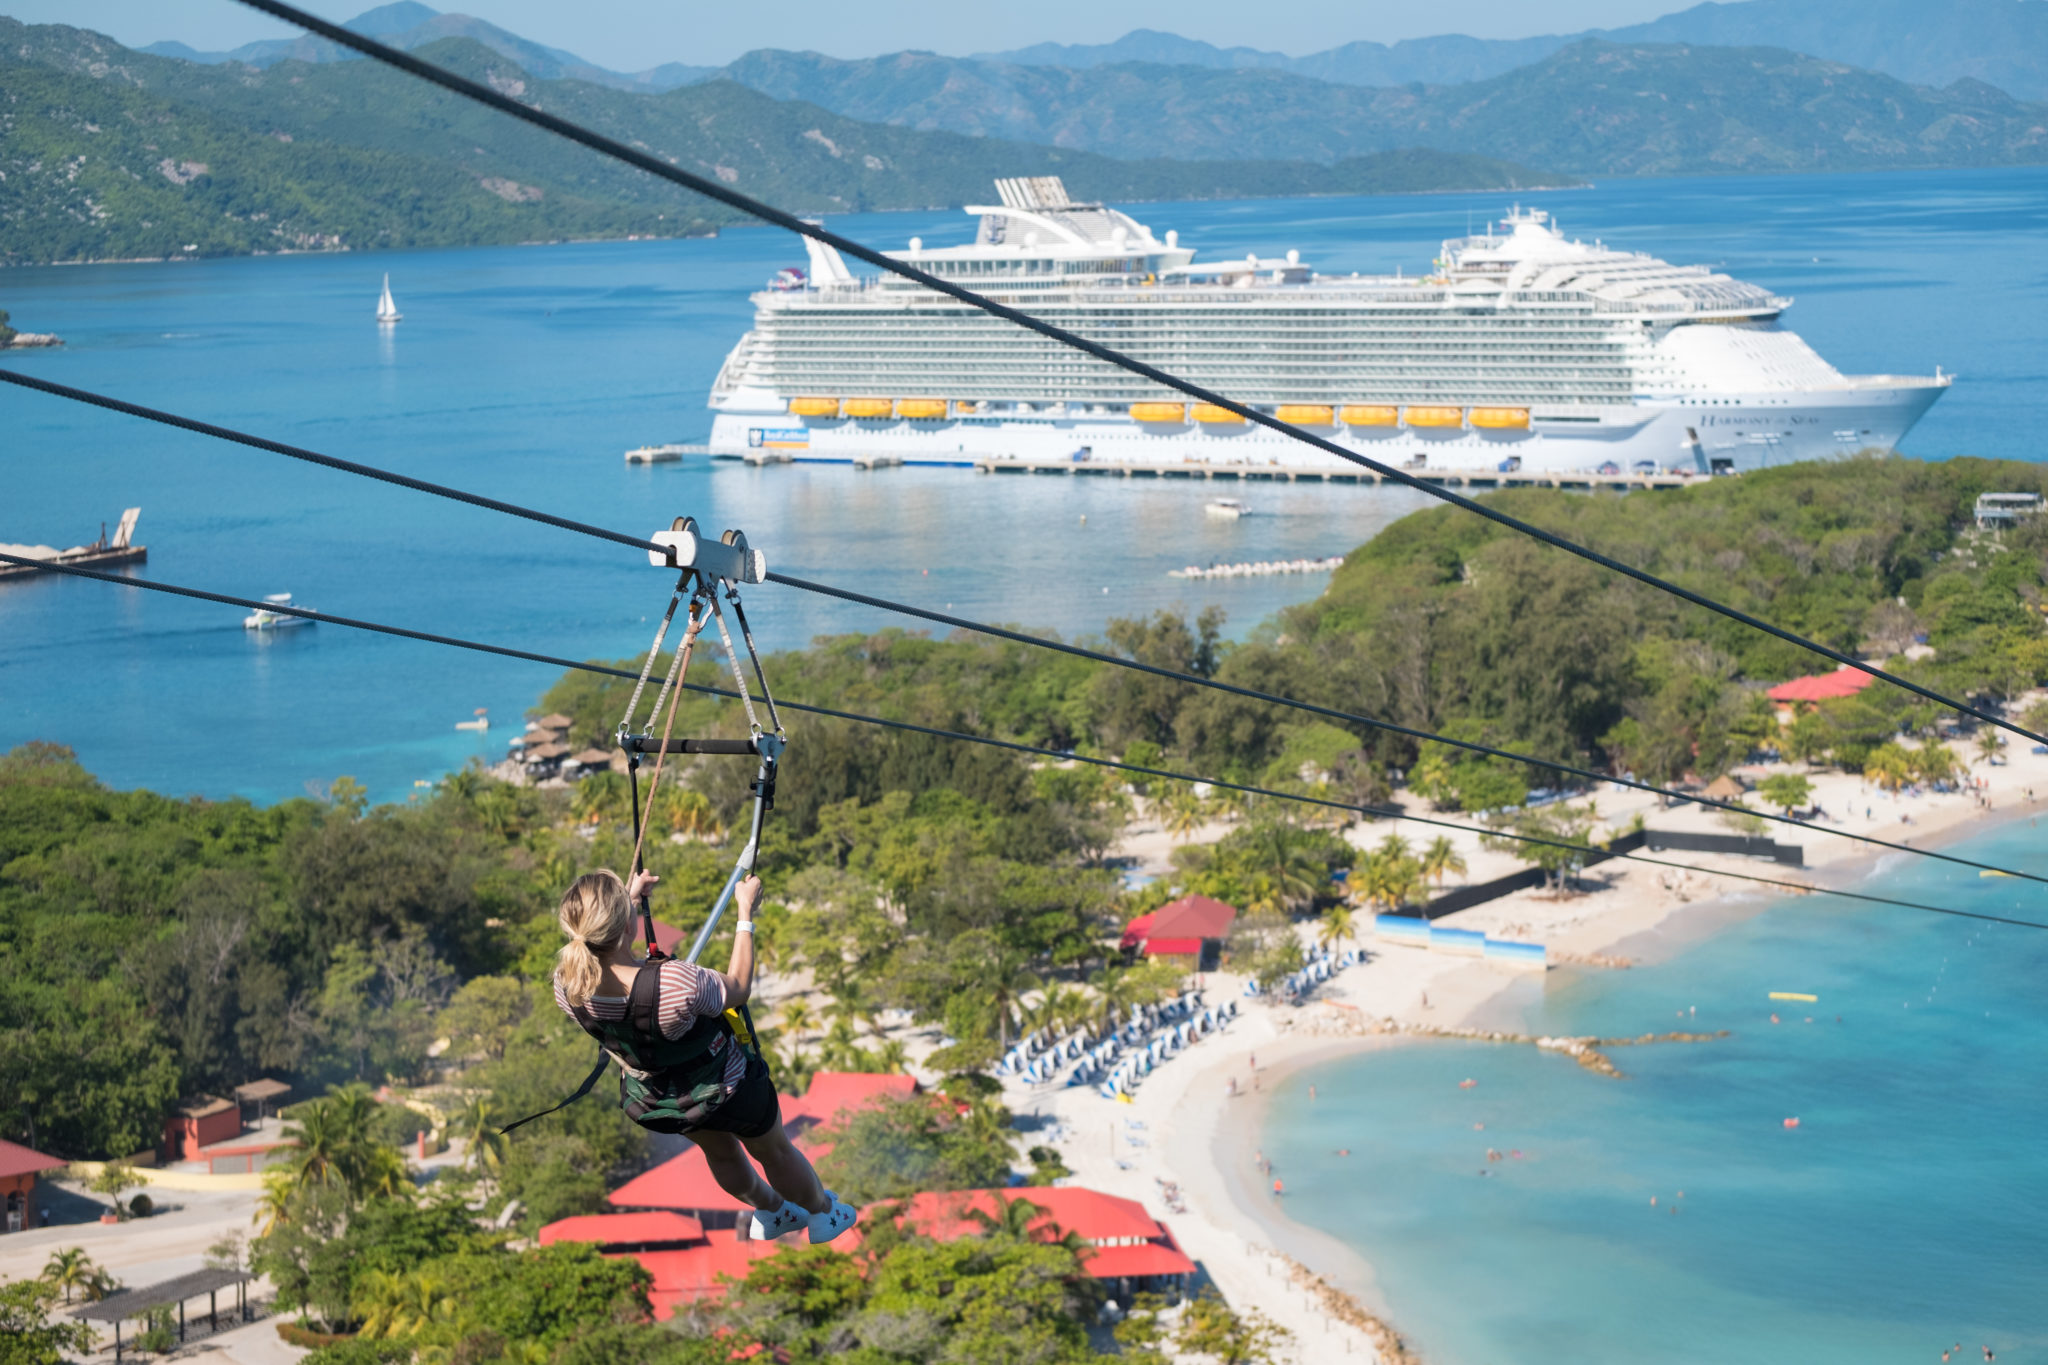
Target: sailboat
column 387, row 311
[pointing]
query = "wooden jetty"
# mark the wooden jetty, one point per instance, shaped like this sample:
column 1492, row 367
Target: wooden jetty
column 102, row 553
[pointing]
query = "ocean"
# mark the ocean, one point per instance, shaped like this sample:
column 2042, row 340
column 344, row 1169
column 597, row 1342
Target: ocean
column 526, row 372
column 1902, row 1215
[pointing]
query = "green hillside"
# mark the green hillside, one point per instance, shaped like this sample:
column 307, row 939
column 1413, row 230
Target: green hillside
column 109, row 153
column 1590, row 108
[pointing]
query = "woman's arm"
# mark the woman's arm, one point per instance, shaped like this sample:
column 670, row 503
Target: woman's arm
column 739, row 974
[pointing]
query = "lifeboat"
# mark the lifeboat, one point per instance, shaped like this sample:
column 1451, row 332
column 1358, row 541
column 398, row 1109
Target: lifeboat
column 870, row 407
column 1159, row 412
column 1501, row 419
column 1371, row 415
column 921, row 408
column 814, row 407
column 1424, row 416
column 1304, row 415
column 1208, row 414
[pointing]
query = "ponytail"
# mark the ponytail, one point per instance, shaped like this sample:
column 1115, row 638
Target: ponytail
column 597, row 917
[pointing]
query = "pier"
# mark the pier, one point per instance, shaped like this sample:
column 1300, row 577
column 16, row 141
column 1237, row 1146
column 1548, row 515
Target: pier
column 101, row 554
column 1478, row 479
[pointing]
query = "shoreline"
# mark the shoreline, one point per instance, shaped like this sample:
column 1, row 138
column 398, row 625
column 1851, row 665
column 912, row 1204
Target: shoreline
column 1316, row 1285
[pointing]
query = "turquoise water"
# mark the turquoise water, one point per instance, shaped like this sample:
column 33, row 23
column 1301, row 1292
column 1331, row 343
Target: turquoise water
column 1903, row 1215
column 526, row 372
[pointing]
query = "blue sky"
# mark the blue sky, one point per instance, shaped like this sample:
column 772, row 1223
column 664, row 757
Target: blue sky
column 635, row 34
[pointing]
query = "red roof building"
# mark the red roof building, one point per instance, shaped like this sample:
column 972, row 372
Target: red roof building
column 1193, row 927
column 19, row 1167
column 832, row 1092
column 1125, row 1243
column 687, row 1274
column 1843, row 682
column 204, row 1121
column 626, row 1231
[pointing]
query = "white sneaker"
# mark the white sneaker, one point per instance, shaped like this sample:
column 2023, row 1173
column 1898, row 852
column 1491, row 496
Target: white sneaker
column 785, row 1220
column 833, row 1221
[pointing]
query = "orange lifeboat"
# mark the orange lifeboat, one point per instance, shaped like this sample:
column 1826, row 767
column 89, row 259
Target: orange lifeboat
column 1432, row 417
column 814, row 407
column 1501, row 419
column 1304, row 415
column 1371, row 415
column 870, row 407
column 923, row 409
column 1159, row 412
column 1208, row 414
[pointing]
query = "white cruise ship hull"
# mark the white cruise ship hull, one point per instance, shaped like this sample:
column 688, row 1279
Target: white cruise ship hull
column 1727, row 433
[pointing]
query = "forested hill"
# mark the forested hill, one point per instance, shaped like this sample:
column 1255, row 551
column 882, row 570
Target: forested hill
column 1592, row 107
column 109, row 153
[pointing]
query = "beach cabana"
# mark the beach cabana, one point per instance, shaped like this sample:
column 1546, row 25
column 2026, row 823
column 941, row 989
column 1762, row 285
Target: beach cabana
column 1193, row 927
column 174, row 1293
column 262, row 1094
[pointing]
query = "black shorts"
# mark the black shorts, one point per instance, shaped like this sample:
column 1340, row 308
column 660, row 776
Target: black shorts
column 750, row 1111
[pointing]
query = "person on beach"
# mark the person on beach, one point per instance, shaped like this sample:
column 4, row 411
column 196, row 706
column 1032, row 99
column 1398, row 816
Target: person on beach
column 682, row 1068
column 1279, row 1189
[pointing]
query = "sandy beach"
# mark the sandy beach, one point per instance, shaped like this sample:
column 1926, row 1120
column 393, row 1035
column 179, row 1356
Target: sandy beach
column 1187, row 1127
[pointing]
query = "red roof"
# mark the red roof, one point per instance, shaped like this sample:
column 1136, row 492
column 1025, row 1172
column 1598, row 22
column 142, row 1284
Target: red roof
column 834, row 1091
column 683, row 1182
column 1193, row 917
column 692, row 1273
column 1089, row 1214
column 16, row 1159
column 623, row 1229
column 1149, row 1258
column 1135, row 931
column 1172, row 947
column 1843, row 682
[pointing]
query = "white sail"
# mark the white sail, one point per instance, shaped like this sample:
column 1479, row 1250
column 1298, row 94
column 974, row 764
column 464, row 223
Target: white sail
column 387, row 311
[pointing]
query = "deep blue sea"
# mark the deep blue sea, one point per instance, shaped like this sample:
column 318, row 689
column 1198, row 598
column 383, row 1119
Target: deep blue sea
column 527, row 372
column 1906, row 1213
column 1910, row 1209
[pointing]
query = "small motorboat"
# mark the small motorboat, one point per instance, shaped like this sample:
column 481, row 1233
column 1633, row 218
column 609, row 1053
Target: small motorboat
column 1226, row 507
column 482, row 721
column 263, row 618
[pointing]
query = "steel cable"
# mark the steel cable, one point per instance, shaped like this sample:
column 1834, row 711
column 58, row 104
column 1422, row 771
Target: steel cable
column 963, row 623
column 746, row 204
column 1013, row 746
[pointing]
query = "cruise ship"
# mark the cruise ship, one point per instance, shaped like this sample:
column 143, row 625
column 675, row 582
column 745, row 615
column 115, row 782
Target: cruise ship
column 1521, row 349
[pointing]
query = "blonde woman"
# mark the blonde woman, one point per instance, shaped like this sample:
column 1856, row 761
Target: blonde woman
column 682, row 1069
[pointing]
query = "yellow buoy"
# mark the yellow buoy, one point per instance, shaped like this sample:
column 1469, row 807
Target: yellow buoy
column 1211, row 415
column 924, row 408
column 869, row 407
column 1512, row 419
column 1435, row 417
column 814, row 407
column 1159, row 412
column 1371, row 414
column 1304, row 414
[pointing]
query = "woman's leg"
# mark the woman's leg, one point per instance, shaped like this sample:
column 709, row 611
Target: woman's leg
column 733, row 1172
column 788, row 1170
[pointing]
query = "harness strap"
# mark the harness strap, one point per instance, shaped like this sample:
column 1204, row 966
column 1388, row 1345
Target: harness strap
column 604, row 1059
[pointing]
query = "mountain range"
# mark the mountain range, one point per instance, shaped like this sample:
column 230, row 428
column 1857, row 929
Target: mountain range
column 108, row 153
column 2003, row 43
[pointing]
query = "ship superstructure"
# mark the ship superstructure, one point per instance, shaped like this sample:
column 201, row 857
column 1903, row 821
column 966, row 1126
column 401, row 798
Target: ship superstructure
column 1521, row 348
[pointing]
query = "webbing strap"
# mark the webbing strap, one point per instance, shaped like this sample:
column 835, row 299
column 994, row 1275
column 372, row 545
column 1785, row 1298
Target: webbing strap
column 739, row 679
column 739, row 614
column 604, row 1059
column 678, row 667
column 653, row 650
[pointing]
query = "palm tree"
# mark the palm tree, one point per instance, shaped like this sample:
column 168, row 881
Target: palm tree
column 392, row 1304
column 1441, row 859
column 69, row 1269
column 597, row 795
column 1226, row 803
column 1890, row 766
column 892, row 1056
column 1393, row 846
column 687, row 811
column 1989, row 742
column 1935, row 762
column 1285, row 872
column 274, row 1206
column 1337, row 927
column 1179, row 810
column 798, row 1017
column 477, row 1126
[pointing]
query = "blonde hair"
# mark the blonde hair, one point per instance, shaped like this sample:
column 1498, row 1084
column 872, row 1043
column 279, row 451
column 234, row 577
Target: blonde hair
column 597, row 917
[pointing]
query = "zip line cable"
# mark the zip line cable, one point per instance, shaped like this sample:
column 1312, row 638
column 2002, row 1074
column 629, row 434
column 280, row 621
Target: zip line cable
column 1000, row 632
column 746, row 204
column 1377, row 812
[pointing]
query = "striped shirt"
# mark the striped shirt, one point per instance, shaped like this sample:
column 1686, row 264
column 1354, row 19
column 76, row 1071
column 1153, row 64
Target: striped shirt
column 688, row 993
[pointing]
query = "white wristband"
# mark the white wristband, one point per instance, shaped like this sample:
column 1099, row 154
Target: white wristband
column 745, row 926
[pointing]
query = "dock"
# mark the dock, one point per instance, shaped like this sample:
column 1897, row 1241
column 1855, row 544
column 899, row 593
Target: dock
column 1246, row 473
column 663, row 454
column 101, row 554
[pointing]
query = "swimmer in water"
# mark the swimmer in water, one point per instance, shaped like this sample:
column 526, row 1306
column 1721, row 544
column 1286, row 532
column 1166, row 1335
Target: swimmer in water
column 1311, row 1094
column 1343, row 1151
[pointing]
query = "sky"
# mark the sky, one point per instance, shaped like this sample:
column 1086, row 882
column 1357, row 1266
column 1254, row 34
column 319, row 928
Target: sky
column 632, row 35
